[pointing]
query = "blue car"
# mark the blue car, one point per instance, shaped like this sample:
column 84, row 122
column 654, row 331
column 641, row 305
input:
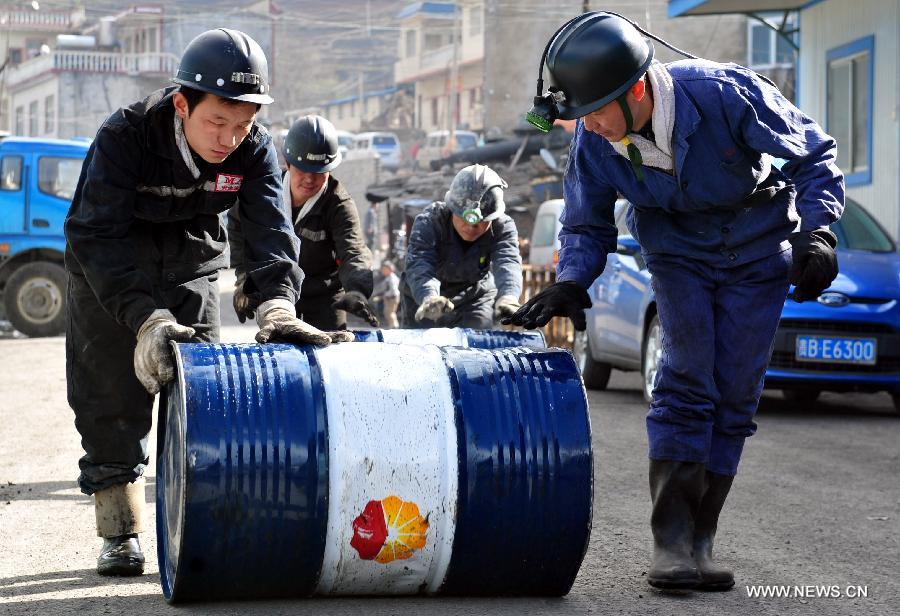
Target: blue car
column 847, row 340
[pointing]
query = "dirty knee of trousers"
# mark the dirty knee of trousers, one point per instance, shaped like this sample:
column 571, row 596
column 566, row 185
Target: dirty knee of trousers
column 120, row 509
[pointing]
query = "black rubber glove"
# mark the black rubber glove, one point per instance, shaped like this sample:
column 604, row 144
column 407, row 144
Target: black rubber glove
column 355, row 302
column 244, row 305
column 815, row 263
column 561, row 299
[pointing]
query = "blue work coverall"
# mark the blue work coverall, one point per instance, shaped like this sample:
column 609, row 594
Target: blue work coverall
column 471, row 274
column 714, row 234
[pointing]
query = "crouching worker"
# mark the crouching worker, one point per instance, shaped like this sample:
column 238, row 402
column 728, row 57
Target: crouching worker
column 144, row 247
column 335, row 260
column 463, row 267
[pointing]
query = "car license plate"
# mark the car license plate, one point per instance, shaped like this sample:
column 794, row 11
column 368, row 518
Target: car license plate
column 837, row 349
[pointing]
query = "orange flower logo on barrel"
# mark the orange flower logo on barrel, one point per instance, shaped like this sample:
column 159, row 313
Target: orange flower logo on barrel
column 389, row 529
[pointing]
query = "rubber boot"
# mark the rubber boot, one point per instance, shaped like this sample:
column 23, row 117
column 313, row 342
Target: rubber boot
column 712, row 576
column 119, row 511
column 676, row 489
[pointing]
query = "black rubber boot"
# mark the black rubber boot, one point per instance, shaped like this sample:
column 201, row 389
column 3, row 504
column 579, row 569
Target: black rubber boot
column 676, row 489
column 121, row 556
column 712, row 576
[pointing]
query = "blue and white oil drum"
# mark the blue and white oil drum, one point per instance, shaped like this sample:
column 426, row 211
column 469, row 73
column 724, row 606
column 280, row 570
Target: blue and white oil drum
column 456, row 336
column 370, row 469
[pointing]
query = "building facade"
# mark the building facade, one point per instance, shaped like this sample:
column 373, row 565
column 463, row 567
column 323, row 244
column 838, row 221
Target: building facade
column 76, row 82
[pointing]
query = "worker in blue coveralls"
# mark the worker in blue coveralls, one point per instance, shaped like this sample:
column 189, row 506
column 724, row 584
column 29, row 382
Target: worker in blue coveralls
column 690, row 145
column 463, row 267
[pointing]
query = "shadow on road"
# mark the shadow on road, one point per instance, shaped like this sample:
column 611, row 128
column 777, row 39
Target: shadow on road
column 58, row 490
column 62, row 581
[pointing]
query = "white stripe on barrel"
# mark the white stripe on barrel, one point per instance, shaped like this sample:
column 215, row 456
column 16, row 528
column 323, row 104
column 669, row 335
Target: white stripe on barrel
column 441, row 336
column 391, row 441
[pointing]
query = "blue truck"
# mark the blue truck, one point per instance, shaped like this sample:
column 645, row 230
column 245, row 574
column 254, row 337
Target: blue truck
column 37, row 181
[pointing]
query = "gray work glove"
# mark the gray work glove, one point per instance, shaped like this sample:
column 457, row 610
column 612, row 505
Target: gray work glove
column 814, row 265
column 278, row 322
column 433, row 308
column 505, row 306
column 244, row 304
column 153, row 364
column 355, row 302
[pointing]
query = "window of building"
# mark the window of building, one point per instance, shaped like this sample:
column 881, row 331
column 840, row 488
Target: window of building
column 49, row 114
column 848, row 107
column 58, row 176
column 434, row 112
column 411, row 43
column 434, row 41
column 20, row 120
column 151, row 39
column 767, row 48
column 33, row 118
column 475, row 20
column 11, row 173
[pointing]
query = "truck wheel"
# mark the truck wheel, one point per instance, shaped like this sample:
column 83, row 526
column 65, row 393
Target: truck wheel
column 35, row 299
column 594, row 373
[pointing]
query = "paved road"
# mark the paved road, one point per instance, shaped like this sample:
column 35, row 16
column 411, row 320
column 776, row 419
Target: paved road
column 817, row 503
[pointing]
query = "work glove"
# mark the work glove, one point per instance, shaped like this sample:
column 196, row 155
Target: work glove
column 505, row 306
column 433, row 308
column 153, row 363
column 355, row 302
column 245, row 304
column 815, row 264
column 278, row 322
column 560, row 299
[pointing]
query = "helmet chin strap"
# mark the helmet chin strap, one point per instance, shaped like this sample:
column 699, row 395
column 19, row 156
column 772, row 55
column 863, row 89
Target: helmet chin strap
column 634, row 154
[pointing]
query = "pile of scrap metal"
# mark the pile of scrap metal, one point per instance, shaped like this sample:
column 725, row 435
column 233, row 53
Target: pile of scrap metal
column 532, row 164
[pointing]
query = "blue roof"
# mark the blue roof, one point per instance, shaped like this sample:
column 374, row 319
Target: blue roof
column 348, row 99
column 432, row 8
column 679, row 8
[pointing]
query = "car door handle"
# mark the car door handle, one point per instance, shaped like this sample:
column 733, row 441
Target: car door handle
column 41, row 223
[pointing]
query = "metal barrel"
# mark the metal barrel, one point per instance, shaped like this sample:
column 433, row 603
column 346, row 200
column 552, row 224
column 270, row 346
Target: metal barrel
column 366, row 469
column 456, row 336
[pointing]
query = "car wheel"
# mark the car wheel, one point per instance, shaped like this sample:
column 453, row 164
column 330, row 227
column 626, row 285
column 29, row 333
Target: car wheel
column 594, row 373
column 801, row 396
column 650, row 356
column 35, row 299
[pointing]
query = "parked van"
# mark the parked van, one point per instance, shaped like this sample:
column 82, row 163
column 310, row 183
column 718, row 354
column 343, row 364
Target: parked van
column 345, row 141
column 544, row 248
column 386, row 145
column 438, row 145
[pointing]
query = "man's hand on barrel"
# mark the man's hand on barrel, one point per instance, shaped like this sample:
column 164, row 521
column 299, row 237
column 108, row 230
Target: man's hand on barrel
column 560, row 299
column 356, row 303
column 279, row 323
column 244, row 303
column 505, row 306
column 153, row 362
column 433, row 308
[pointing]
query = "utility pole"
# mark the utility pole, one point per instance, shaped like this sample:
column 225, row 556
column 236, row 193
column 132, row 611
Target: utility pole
column 454, row 69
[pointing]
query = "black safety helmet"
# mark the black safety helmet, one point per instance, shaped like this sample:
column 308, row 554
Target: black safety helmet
column 595, row 60
column 312, row 145
column 227, row 63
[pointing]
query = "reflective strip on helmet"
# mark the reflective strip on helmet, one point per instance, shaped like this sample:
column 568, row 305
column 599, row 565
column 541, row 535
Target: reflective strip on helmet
column 251, row 78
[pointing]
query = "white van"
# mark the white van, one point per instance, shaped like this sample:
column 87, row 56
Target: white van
column 438, row 145
column 544, row 248
column 386, row 145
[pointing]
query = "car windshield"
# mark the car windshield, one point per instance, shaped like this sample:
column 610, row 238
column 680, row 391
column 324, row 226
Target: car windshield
column 857, row 230
column 544, row 230
column 466, row 141
column 383, row 141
